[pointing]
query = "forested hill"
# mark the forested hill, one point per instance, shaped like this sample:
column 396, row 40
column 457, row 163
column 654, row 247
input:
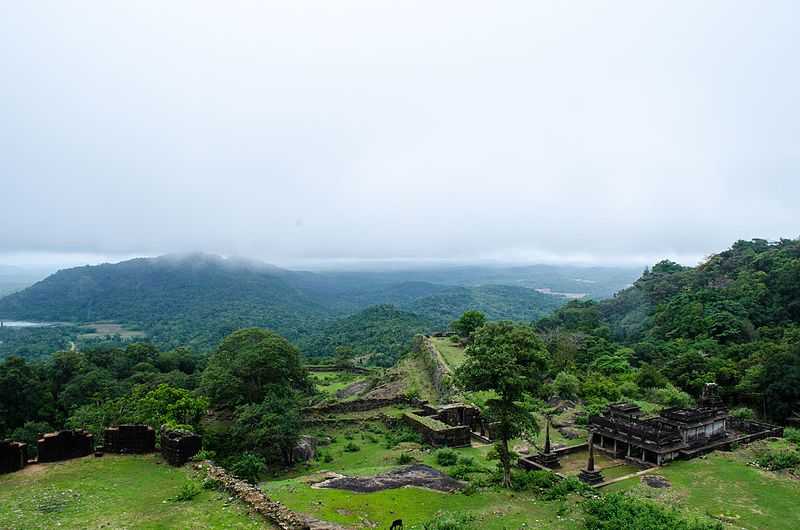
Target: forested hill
column 733, row 320
column 195, row 300
column 179, row 300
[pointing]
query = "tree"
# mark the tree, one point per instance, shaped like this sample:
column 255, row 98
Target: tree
column 649, row 376
column 566, row 385
column 247, row 363
column 23, row 397
column 468, row 323
column 509, row 360
column 270, row 428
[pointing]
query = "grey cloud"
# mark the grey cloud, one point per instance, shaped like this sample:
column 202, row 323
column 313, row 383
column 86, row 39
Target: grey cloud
column 291, row 131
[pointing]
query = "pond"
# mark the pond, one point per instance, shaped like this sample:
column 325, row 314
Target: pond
column 25, row 324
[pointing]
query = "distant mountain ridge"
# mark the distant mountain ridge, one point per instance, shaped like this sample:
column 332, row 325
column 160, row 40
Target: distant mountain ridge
column 196, row 299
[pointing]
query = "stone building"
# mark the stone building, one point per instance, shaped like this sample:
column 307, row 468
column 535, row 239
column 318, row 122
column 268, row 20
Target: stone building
column 624, row 431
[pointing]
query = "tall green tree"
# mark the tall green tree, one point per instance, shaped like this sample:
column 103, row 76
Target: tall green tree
column 511, row 361
column 468, row 323
column 247, row 363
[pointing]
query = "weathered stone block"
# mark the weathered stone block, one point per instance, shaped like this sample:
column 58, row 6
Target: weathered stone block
column 63, row 445
column 178, row 447
column 130, row 439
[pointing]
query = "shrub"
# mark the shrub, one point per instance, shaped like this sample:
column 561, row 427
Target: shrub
column 533, row 480
column 188, row 491
column 248, row 466
column 792, row 434
column 670, row 396
column 404, row 459
column 401, row 435
column 547, row 485
column 777, row 459
column 619, row 511
column 446, row 457
column 205, row 454
column 450, row 521
column 211, row 484
column 743, row 413
column 352, row 447
column 29, row 434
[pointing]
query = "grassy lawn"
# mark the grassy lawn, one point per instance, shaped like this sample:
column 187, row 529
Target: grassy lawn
column 329, row 383
column 722, row 485
column 453, row 354
column 494, row 509
column 113, row 492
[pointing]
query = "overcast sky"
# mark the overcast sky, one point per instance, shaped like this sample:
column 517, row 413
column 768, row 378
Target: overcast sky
column 295, row 131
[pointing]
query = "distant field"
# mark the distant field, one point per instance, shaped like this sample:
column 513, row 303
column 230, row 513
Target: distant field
column 113, row 492
column 453, row 354
column 723, row 486
column 99, row 330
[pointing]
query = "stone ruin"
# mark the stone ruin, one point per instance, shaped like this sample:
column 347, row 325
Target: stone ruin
column 451, row 425
column 178, row 446
column 130, row 439
column 63, row 445
column 13, row 456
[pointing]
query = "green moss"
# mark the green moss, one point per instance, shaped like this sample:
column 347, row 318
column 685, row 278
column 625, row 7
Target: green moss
column 429, row 422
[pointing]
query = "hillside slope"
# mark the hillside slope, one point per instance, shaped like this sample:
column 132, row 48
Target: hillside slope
column 192, row 300
column 734, row 320
column 498, row 302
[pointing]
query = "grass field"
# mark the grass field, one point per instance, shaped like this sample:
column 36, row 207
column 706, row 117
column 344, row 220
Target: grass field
column 99, row 330
column 453, row 354
column 329, row 383
column 113, row 492
column 723, row 486
column 494, row 509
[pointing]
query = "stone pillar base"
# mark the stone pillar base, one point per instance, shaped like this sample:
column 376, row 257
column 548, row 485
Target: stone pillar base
column 591, row 477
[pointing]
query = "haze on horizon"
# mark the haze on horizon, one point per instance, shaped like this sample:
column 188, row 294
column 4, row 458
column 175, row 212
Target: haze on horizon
column 309, row 132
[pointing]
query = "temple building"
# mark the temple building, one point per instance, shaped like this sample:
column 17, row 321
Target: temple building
column 624, row 431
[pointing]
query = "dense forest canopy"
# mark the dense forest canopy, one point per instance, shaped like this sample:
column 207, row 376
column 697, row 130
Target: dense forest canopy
column 195, row 300
column 734, row 320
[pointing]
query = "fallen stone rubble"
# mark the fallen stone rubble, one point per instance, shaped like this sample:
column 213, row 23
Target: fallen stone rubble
column 258, row 501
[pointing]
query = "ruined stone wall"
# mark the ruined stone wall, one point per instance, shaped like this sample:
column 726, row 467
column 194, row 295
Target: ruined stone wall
column 258, row 501
column 436, row 433
column 63, row 445
column 438, row 371
column 130, row 439
column 178, row 447
column 13, row 456
column 333, row 368
column 360, row 405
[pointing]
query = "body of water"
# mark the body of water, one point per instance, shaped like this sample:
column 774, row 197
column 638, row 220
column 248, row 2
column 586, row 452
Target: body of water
column 24, row 324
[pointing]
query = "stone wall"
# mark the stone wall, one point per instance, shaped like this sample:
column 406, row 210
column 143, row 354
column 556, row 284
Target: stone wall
column 274, row 511
column 438, row 371
column 360, row 405
column 13, row 456
column 178, row 447
column 63, row 445
column 334, row 368
column 130, row 439
column 437, row 433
